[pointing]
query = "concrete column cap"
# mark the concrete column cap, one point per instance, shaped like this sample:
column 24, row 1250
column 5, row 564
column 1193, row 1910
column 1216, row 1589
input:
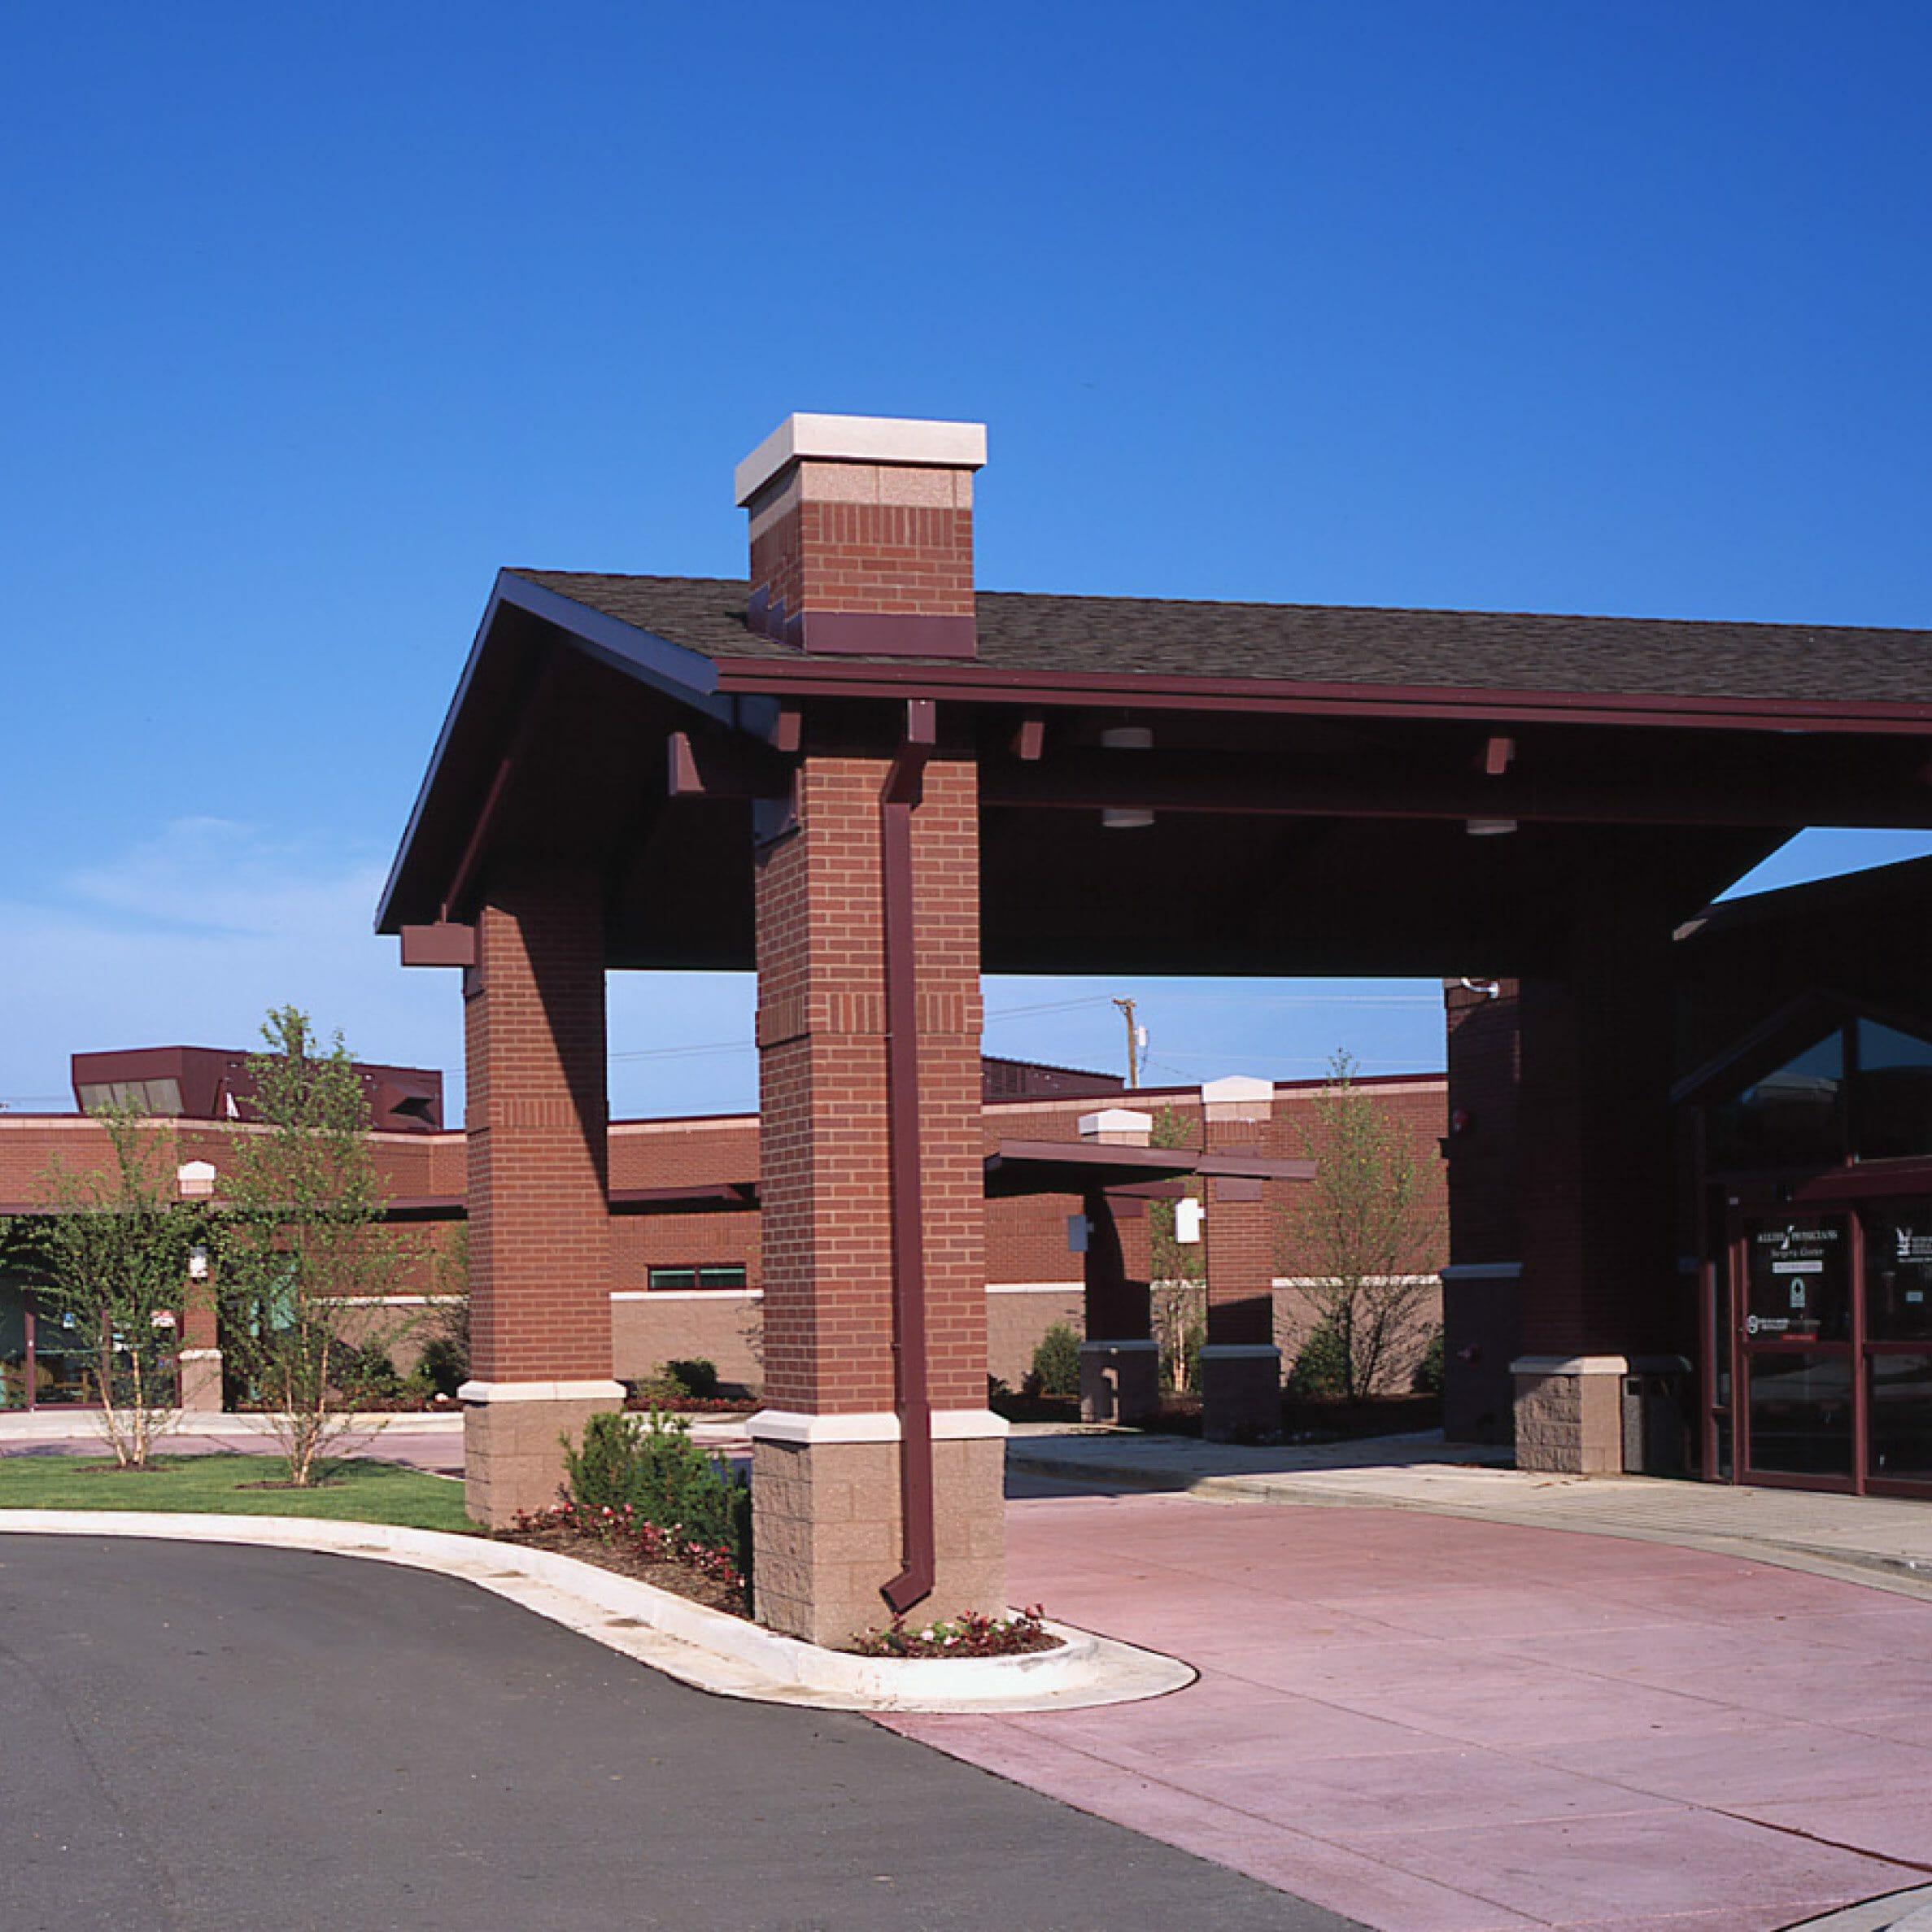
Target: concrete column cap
column 869, row 1425
column 481, row 1392
column 861, row 439
column 1239, row 1351
column 1132, row 1345
column 1570, row 1365
column 1117, row 1123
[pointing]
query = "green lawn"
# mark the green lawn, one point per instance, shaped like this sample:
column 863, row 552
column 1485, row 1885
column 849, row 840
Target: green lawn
column 357, row 1491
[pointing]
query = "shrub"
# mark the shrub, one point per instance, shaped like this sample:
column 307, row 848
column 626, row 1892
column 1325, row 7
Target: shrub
column 444, row 1364
column 1427, row 1378
column 649, row 1467
column 1321, row 1370
column 676, row 1383
column 696, row 1378
column 1057, row 1361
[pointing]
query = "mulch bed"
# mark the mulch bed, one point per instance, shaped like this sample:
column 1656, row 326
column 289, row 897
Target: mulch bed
column 672, row 1576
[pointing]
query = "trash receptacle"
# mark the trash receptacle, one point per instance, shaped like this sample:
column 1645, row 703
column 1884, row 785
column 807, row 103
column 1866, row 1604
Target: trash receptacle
column 1656, row 1415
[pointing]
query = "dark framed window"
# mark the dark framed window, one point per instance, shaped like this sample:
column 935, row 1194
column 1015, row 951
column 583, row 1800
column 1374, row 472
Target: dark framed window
column 697, row 1277
column 1862, row 1093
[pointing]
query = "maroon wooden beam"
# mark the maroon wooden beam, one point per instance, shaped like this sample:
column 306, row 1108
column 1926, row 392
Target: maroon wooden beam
column 1662, row 793
column 711, row 766
column 446, row 943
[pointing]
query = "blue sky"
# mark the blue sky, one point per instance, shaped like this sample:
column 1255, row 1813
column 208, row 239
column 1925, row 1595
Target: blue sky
column 316, row 317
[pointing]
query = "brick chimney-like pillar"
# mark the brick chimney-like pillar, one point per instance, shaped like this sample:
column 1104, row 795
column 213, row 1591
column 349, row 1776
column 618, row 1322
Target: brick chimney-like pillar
column 1241, row 1366
column 539, row 1232
column 861, row 535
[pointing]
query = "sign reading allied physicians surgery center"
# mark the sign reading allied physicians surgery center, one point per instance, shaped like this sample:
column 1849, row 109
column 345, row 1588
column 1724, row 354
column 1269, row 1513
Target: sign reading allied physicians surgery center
column 1798, row 1277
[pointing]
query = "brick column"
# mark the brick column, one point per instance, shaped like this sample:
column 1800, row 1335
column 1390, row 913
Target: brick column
column 1120, row 1362
column 1241, row 1366
column 539, row 1232
column 825, row 1459
column 198, row 1360
column 1599, row 1276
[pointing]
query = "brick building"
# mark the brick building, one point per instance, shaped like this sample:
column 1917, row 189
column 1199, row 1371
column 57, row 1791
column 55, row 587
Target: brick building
column 686, row 1260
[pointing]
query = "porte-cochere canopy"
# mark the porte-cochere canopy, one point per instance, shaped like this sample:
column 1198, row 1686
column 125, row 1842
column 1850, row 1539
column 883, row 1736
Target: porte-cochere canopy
column 872, row 781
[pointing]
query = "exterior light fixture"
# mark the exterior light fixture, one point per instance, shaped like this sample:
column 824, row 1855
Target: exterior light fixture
column 1126, row 738
column 1490, row 828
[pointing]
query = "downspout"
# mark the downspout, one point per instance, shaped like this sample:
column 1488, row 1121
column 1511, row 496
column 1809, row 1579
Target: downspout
column 910, row 1396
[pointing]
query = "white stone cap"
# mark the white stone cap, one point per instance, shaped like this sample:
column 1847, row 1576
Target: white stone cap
column 861, row 439
column 1116, row 1120
column 1234, row 1086
column 540, row 1392
column 1238, row 1097
column 868, row 1426
column 195, row 1178
column 1569, row 1365
column 1239, row 1351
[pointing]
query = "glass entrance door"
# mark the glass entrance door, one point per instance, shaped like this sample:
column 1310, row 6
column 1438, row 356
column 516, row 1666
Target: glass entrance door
column 1832, row 1347
column 1798, row 1418
column 1897, row 1321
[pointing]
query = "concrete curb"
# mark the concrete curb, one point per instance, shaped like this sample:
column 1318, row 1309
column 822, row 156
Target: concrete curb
column 1895, row 1912
column 700, row 1646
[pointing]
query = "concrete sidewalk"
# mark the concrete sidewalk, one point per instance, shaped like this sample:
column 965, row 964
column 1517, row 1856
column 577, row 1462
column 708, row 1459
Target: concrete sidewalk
column 1427, row 1704
column 1872, row 1539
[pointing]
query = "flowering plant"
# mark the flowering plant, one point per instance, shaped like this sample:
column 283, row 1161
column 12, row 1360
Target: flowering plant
column 969, row 1635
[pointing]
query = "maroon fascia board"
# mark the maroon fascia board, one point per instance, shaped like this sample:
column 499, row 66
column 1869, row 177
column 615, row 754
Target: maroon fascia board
column 994, row 684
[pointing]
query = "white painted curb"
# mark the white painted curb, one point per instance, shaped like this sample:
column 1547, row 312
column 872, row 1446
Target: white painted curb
column 699, row 1646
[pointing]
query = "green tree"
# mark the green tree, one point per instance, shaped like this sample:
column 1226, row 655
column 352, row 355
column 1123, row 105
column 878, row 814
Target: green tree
column 1363, row 1239
column 303, row 1239
column 109, row 1259
column 1178, row 1270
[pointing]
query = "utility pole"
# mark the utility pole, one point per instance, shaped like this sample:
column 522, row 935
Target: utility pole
column 1133, row 1043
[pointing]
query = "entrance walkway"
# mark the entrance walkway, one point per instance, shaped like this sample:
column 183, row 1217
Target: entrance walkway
column 1426, row 1707
column 1872, row 1538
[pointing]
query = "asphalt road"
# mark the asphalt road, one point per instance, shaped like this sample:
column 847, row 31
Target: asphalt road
column 230, row 1739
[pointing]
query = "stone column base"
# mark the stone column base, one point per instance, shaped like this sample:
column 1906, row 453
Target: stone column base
column 1120, row 1382
column 826, row 1536
column 513, row 1450
column 1570, row 1414
column 1240, row 1390
column 200, row 1371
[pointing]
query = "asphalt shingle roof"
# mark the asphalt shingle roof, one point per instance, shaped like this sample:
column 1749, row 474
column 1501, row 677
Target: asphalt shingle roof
column 1336, row 644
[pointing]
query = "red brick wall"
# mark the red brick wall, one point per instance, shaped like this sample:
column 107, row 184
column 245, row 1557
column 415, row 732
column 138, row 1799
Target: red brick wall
column 540, row 1237
column 826, row 1201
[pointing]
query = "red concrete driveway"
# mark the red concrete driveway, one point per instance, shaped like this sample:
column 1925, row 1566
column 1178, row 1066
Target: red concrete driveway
column 1438, row 1725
